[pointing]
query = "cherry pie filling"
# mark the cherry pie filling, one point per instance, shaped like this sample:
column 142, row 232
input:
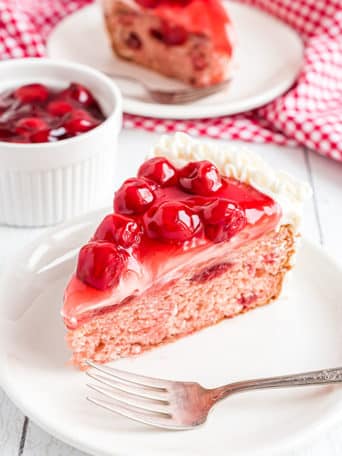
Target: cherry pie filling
column 35, row 113
column 167, row 211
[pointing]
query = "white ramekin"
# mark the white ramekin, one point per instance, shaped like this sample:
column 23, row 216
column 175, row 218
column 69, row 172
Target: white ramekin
column 46, row 183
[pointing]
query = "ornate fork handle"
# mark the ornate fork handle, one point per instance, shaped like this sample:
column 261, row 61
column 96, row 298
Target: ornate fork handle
column 320, row 377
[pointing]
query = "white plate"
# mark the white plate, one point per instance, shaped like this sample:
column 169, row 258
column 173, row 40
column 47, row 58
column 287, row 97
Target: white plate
column 300, row 332
column 268, row 58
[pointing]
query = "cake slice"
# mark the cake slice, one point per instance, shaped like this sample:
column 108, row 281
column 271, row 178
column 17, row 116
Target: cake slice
column 183, row 39
column 200, row 235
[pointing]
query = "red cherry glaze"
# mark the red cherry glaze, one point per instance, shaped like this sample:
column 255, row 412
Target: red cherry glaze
column 28, row 125
column 223, row 220
column 119, row 229
column 31, row 93
column 79, row 121
column 5, row 134
column 175, row 35
column 59, row 108
column 41, row 136
column 35, row 113
column 171, row 35
column 194, row 16
column 172, row 222
column 80, row 93
column 165, row 211
column 133, row 197
column 246, row 197
column 159, row 170
column 201, row 178
column 100, row 265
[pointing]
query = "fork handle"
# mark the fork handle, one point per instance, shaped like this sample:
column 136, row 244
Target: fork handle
column 319, row 377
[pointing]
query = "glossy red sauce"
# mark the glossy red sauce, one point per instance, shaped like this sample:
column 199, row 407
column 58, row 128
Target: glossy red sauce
column 35, row 113
column 195, row 16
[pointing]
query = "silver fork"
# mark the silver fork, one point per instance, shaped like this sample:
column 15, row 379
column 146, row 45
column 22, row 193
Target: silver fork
column 181, row 405
column 174, row 96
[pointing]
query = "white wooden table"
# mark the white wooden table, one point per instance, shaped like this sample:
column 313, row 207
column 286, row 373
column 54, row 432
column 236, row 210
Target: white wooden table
column 322, row 224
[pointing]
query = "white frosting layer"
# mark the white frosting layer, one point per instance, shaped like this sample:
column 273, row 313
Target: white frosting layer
column 243, row 165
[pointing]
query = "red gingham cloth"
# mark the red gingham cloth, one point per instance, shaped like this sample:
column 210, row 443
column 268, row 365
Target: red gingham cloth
column 310, row 114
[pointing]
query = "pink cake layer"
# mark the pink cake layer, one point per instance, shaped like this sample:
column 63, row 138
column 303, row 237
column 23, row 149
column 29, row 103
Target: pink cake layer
column 197, row 61
column 209, row 292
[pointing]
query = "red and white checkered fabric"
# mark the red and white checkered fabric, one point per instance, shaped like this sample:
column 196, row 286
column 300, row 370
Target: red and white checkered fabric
column 310, row 114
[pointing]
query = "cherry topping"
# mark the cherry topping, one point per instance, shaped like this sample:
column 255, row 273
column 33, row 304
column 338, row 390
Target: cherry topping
column 79, row 122
column 175, row 35
column 172, row 222
column 119, row 229
column 28, row 125
column 5, row 133
column 100, row 265
column 223, row 220
column 172, row 35
column 80, row 93
column 159, row 170
column 41, row 136
column 31, row 92
column 133, row 197
column 201, row 178
column 59, row 108
column 34, row 113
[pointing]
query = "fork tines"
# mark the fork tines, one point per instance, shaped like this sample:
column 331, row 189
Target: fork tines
column 137, row 397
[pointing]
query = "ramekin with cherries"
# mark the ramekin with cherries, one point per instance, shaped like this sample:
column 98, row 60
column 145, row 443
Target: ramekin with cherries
column 59, row 124
column 36, row 113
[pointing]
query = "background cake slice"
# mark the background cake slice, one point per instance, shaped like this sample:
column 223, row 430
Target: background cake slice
column 201, row 234
column 183, row 39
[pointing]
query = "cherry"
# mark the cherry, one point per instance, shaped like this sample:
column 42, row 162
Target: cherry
column 133, row 41
column 197, row 203
column 159, row 170
column 79, row 121
column 199, row 61
column 133, row 197
column 174, row 35
column 59, row 108
column 28, row 125
column 5, row 133
column 35, row 113
column 201, row 178
column 31, row 92
column 42, row 136
column 172, row 221
column 80, row 93
column 223, row 220
column 118, row 229
column 100, row 265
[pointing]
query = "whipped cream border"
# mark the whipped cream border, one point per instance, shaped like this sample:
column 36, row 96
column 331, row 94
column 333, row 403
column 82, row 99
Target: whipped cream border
column 242, row 164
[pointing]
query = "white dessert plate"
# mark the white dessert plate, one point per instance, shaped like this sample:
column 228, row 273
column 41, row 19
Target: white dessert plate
column 267, row 60
column 299, row 332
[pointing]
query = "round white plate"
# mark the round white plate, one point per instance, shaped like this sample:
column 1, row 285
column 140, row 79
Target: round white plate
column 267, row 60
column 299, row 332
